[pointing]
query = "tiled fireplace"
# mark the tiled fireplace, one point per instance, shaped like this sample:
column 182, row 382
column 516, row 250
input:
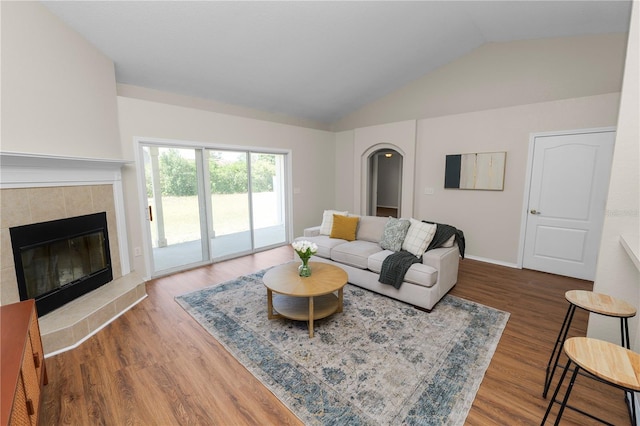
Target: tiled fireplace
column 36, row 189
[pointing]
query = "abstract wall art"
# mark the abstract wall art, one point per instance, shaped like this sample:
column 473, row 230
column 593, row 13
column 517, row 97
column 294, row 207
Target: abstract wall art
column 484, row 171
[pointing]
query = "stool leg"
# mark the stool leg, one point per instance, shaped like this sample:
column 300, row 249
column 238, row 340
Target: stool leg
column 555, row 393
column 628, row 395
column 566, row 395
column 624, row 333
column 557, row 349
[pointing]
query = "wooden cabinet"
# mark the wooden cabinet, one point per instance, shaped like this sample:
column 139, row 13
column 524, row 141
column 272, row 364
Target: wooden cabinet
column 23, row 369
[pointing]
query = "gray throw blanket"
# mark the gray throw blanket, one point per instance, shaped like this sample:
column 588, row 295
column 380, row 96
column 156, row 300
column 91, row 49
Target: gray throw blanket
column 443, row 233
column 395, row 266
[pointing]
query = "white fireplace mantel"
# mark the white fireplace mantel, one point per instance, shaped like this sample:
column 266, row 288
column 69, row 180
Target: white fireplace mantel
column 25, row 170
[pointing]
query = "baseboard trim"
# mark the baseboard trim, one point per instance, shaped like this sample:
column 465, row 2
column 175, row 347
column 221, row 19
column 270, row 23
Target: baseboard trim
column 493, row 261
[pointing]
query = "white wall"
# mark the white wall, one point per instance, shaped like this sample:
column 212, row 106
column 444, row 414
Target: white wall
column 344, row 198
column 492, row 100
column 616, row 274
column 312, row 154
column 498, row 75
column 130, row 91
column 491, row 219
column 58, row 91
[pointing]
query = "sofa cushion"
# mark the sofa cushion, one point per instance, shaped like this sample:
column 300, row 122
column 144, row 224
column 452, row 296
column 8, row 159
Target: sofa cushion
column 344, row 227
column 418, row 237
column 422, row 274
column 394, row 233
column 418, row 273
column 327, row 221
column 355, row 253
column 371, row 228
column 374, row 262
column 325, row 244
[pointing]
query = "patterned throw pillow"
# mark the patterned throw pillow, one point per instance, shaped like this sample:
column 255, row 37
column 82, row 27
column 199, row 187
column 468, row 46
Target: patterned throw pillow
column 327, row 221
column 394, row 232
column 418, row 237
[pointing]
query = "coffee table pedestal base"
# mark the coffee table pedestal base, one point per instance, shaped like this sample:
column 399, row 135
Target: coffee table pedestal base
column 303, row 308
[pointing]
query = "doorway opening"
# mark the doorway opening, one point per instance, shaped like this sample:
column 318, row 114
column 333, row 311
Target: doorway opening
column 385, row 183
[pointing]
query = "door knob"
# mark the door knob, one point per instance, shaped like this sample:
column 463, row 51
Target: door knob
column 534, row 211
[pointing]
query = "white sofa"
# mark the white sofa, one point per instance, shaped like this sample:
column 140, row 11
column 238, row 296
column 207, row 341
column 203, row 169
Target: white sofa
column 424, row 284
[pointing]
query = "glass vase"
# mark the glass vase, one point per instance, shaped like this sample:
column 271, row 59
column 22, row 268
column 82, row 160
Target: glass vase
column 304, row 270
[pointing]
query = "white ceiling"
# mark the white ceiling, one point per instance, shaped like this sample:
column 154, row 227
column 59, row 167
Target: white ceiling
column 312, row 60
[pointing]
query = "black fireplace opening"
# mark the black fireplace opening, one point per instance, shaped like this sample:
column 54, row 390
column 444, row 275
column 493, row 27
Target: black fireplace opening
column 61, row 260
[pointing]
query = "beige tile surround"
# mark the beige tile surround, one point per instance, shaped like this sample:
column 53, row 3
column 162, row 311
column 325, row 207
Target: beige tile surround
column 71, row 324
column 75, row 321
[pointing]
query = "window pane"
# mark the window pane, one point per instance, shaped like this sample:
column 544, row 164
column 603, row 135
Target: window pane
column 268, row 201
column 230, row 225
column 172, row 189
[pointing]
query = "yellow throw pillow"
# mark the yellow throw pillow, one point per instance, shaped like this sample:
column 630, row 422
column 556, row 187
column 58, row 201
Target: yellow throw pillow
column 344, row 227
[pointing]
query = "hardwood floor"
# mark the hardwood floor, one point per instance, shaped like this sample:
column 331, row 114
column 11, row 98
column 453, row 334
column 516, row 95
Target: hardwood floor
column 386, row 212
column 156, row 366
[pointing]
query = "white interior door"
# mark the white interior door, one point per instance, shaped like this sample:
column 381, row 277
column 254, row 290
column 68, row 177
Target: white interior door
column 567, row 197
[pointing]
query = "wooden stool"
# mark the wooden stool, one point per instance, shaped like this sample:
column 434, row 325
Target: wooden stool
column 593, row 302
column 604, row 361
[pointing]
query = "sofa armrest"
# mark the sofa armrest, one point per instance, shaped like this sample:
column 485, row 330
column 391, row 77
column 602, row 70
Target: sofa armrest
column 314, row 231
column 435, row 257
column 446, row 261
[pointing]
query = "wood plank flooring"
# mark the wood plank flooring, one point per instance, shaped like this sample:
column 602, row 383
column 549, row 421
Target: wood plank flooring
column 155, row 365
column 386, row 212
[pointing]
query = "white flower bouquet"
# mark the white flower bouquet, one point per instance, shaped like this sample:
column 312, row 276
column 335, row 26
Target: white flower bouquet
column 305, row 249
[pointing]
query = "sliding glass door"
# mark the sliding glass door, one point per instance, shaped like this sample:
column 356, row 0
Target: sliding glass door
column 211, row 204
column 176, row 207
column 230, row 203
column 247, row 201
column 268, row 199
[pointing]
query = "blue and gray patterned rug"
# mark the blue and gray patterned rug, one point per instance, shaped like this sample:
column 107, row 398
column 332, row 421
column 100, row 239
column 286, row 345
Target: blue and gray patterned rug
column 380, row 362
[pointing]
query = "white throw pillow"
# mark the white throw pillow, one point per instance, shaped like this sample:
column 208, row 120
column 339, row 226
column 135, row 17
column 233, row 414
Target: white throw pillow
column 418, row 237
column 449, row 242
column 327, row 221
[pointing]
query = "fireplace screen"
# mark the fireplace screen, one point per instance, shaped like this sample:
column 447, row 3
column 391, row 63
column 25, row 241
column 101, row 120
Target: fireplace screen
column 61, row 260
column 56, row 264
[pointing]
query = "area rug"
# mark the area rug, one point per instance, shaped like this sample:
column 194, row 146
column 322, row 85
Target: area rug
column 379, row 362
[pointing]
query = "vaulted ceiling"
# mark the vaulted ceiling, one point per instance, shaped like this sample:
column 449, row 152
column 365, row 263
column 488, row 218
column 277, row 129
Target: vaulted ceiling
column 312, row 60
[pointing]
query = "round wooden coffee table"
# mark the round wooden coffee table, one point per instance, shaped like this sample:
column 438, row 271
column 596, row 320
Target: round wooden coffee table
column 304, row 298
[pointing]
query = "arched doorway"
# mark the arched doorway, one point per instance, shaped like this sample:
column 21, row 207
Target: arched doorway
column 399, row 137
column 385, row 183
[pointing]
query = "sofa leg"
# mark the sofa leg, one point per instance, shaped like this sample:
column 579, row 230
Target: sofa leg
column 420, row 308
